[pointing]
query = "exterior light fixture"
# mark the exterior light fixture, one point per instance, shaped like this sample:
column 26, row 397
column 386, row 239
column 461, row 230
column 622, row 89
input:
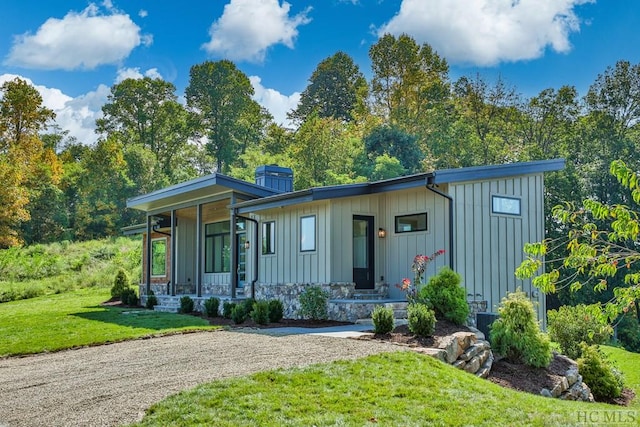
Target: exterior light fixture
column 246, row 245
column 382, row 233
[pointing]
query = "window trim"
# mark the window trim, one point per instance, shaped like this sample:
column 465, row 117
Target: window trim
column 501, row 196
column 315, row 232
column 166, row 245
column 269, row 249
column 224, row 235
column 426, row 223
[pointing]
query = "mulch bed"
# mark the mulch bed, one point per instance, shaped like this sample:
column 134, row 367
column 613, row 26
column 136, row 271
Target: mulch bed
column 402, row 335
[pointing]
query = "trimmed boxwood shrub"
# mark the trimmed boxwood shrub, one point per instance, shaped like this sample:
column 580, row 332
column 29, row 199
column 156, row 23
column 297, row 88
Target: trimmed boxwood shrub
column 383, row 321
column 569, row 326
column 211, row 306
column 152, row 300
column 129, row 297
column 260, row 312
column 603, row 379
column 422, row 320
column 186, row 304
column 247, row 304
column 227, row 308
column 238, row 313
column 446, row 296
column 276, row 310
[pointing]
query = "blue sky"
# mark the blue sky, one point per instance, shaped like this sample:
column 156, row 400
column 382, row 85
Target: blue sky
column 73, row 51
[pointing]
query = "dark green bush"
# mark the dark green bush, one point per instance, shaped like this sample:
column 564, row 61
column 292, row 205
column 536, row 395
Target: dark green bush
column 597, row 372
column 186, row 304
column 260, row 312
column 629, row 332
column 227, row 308
column 383, row 321
column 569, row 326
column 516, row 334
column 129, row 297
column 152, row 300
column 238, row 314
column 120, row 283
column 313, row 303
column 211, row 306
column 276, row 310
column 248, row 303
column 422, row 320
column 446, row 296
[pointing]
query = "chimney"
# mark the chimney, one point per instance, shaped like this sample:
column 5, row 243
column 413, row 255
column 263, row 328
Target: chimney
column 275, row 177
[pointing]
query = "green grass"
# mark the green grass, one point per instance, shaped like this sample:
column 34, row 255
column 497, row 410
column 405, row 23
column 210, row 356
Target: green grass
column 629, row 364
column 396, row 389
column 76, row 318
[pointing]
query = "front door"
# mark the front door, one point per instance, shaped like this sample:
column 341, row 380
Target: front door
column 363, row 268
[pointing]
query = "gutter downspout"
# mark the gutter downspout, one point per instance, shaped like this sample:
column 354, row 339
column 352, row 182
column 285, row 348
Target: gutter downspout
column 255, row 248
column 431, row 186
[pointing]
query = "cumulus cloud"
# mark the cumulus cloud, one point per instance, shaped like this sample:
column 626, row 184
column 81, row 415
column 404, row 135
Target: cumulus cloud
column 247, row 28
column 487, row 32
column 135, row 73
column 277, row 103
column 81, row 40
column 143, row 13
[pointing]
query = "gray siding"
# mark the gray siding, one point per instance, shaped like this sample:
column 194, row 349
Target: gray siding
column 186, row 259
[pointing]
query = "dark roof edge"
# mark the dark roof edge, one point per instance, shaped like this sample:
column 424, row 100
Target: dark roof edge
column 476, row 173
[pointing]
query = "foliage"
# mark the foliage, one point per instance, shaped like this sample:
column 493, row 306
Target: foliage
column 603, row 379
column 516, row 334
column 446, row 296
column 628, row 332
column 120, row 283
column 383, row 320
column 211, row 306
column 227, row 308
column 129, row 297
column 186, row 304
column 260, row 312
column 422, row 320
column 248, row 304
column 276, row 310
column 313, row 303
column 419, row 266
column 569, row 326
column 152, row 300
column 396, row 144
column 238, row 313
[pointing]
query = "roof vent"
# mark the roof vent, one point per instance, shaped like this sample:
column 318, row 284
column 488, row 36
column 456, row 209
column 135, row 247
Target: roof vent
column 275, row 177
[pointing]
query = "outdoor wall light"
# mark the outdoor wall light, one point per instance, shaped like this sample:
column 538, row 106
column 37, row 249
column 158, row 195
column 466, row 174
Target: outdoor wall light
column 382, row 233
column 246, row 245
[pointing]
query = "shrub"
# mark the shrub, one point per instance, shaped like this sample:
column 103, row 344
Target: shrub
column 152, row 300
column 383, row 321
column 120, row 283
column 569, row 326
column 186, row 304
column 129, row 297
column 313, row 303
column 227, row 308
column 422, row 320
column 238, row 314
column 602, row 378
column 446, row 296
column 211, row 306
column 247, row 304
column 260, row 312
column 276, row 310
column 516, row 334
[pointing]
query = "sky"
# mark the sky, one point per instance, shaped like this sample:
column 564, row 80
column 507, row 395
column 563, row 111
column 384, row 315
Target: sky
column 74, row 51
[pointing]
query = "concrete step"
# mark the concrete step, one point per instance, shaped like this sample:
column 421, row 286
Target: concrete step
column 166, row 309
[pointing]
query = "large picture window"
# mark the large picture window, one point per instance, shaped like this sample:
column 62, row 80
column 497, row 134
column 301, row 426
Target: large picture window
column 308, row 233
column 217, row 247
column 159, row 257
column 268, row 238
column 409, row 223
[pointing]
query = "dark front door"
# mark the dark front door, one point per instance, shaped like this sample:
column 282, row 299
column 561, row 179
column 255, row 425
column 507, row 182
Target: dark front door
column 363, row 268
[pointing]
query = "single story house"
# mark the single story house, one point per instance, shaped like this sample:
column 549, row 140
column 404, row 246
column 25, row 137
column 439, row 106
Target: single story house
column 224, row 237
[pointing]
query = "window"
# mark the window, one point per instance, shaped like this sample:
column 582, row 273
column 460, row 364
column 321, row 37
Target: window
column 505, row 205
column 409, row 223
column 268, row 238
column 159, row 257
column 308, row 233
column 217, row 247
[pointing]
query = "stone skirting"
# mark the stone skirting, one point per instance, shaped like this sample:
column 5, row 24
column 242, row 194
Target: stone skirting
column 475, row 307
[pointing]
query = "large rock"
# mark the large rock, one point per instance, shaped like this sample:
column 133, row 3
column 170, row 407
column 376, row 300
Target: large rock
column 561, row 387
column 473, row 365
column 437, row 353
column 465, row 340
column 450, row 345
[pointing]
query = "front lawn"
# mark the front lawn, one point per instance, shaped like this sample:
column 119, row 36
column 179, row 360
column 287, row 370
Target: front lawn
column 73, row 319
column 396, row 389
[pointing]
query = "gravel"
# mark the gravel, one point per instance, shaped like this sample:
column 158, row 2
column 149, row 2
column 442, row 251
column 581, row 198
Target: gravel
column 114, row 384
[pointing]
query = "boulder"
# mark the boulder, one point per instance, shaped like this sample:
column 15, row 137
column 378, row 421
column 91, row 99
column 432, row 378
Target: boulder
column 450, row 345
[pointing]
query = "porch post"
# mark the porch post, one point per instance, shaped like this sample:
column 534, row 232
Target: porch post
column 234, row 250
column 199, row 249
column 148, row 256
column 174, row 263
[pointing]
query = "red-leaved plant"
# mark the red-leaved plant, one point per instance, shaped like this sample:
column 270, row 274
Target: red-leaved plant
column 419, row 266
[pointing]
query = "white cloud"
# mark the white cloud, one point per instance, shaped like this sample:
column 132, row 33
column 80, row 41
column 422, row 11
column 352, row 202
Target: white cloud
column 247, row 28
column 134, row 73
column 277, row 103
column 143, row 13
column 82, row 40
column 486, row 32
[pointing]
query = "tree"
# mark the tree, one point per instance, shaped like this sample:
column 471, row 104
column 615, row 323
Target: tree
column 219, row 96
column 602, row 250
column 337, row 89
column 395, row 143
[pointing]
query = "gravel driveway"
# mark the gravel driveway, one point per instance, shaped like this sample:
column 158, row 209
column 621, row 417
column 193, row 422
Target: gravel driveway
column 114, row 384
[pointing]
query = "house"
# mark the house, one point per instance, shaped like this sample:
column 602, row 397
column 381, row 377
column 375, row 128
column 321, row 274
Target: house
column 224, row 237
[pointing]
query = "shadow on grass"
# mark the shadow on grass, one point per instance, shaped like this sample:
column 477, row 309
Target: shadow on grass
column 140, row 318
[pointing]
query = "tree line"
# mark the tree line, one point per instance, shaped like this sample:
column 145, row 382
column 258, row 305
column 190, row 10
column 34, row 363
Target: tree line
column 409, row 117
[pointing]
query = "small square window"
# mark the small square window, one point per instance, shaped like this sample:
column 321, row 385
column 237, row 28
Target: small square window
column 268, row 238
column 308, row 233
column 409, row 223
column 505, row 205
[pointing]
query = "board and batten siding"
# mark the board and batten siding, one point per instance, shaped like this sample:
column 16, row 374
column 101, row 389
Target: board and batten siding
column 186, row 251
column 489, row 246
column 401, row 248
column 288, row 264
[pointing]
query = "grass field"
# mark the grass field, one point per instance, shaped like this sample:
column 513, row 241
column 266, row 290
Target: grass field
column 76, row 318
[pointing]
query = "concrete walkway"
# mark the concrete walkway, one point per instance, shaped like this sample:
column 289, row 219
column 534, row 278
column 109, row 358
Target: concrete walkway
column 343, row 331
